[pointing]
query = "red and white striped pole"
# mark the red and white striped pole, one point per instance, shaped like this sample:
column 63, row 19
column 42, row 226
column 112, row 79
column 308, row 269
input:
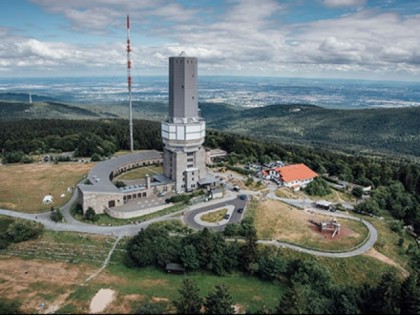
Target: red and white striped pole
column 129, row 83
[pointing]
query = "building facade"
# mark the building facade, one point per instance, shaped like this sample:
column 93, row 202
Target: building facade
column 184, row 130
column 100, row 193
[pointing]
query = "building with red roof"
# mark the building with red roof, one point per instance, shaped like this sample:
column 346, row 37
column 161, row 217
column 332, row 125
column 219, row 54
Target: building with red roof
column 295, row 176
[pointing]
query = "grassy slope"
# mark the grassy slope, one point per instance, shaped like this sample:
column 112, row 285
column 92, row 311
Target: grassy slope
column 64, row 253
column 24, row 186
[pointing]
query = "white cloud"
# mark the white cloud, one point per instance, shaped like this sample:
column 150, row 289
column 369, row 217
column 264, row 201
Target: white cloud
column 248, row 37
column 98, row 15
column 344, row 3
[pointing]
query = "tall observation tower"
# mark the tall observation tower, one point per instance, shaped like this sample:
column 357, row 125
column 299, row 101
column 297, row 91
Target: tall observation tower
column 184, row 131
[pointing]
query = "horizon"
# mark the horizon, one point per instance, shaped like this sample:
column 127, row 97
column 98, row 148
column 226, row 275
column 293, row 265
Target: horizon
column 324, row 39
column 124, row 78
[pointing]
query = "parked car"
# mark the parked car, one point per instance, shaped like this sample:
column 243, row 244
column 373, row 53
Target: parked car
column 240, row 210
column 161, row 194
column 227, row 216
column 242, row 197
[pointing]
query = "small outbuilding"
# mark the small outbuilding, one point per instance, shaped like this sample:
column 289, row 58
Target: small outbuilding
column 175, row 268
column 323, row 204
column 216, row 193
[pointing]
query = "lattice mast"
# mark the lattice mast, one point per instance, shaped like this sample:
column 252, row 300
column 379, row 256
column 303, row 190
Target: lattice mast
column 129, row 84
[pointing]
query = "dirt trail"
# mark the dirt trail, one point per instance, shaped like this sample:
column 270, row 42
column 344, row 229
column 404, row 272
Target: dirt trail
column 99, row 301
column 375, row 254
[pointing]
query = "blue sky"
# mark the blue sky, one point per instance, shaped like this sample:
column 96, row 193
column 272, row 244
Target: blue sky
column 291, row 38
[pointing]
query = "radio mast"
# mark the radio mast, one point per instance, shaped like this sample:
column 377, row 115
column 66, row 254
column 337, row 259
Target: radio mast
column 129, row 83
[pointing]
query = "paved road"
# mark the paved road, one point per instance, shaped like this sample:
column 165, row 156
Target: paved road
column 188, row 216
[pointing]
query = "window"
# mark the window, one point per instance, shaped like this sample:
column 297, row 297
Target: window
column 190, row 160
column 190, row 165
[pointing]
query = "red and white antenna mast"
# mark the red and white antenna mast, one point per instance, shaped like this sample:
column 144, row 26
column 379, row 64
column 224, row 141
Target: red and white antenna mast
column 129, row 83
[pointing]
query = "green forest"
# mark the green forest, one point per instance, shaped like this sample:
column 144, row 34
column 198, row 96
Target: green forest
column 391, row 131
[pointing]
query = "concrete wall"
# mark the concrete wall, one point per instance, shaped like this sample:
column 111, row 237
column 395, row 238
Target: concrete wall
column 136, row 213
column 98, row 201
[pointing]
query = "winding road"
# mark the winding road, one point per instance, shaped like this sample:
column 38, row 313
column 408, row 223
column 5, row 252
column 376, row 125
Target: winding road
column 191, row 217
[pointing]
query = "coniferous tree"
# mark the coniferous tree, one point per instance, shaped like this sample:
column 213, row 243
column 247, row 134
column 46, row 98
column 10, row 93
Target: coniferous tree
column 410, row 295
column 219, row 301
column 189, row 301
column 250, row 250
column 385, row 298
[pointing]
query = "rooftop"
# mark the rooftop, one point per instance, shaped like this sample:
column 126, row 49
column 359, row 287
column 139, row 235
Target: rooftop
column 99, row 175
column 294, row 172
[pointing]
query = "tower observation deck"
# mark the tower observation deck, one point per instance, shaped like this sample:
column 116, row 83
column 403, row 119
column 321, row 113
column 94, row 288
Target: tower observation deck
column 184, row 131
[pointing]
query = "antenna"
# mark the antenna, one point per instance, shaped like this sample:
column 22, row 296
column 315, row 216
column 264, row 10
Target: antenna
column 129, row 83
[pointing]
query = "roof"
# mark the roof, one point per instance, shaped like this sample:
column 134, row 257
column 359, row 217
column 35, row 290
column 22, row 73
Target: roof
column 323, row 203
column 206, row 181
column 294, row 172
column 175, row 267
column 99, row 175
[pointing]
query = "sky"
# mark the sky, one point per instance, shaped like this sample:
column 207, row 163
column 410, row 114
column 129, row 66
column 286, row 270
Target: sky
column 354, row 39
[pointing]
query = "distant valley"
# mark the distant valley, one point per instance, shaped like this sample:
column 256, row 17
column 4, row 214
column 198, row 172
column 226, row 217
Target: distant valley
column 394, row 131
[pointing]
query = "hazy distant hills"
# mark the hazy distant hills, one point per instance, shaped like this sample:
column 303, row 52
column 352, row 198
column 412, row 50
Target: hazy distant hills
column 383, row 130
column 24, row 97
column 46, row 110
column 386, row 130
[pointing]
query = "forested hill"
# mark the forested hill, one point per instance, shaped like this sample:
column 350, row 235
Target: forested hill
column 393, row 131
column 10, row 110
column 386, row 130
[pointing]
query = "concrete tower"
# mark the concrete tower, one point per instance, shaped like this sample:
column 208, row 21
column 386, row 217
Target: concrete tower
column 184, row 131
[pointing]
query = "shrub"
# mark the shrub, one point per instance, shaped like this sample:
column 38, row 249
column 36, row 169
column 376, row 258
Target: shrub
column 91, row 215
column 56, row 215
column 23, row 230
column 95, row 157
column 179, row 198
column 318, row 187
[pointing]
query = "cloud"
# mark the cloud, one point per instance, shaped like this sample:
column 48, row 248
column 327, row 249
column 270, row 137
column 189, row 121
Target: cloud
column 99, row 15
column 344, row 3
column 246, row 37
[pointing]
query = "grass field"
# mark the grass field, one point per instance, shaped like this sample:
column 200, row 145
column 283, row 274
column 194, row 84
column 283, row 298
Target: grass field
column 346, row 271
column 214, row 216
column 279, row 221
column 140, row 172
column 335, row 195
column 24, row 186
